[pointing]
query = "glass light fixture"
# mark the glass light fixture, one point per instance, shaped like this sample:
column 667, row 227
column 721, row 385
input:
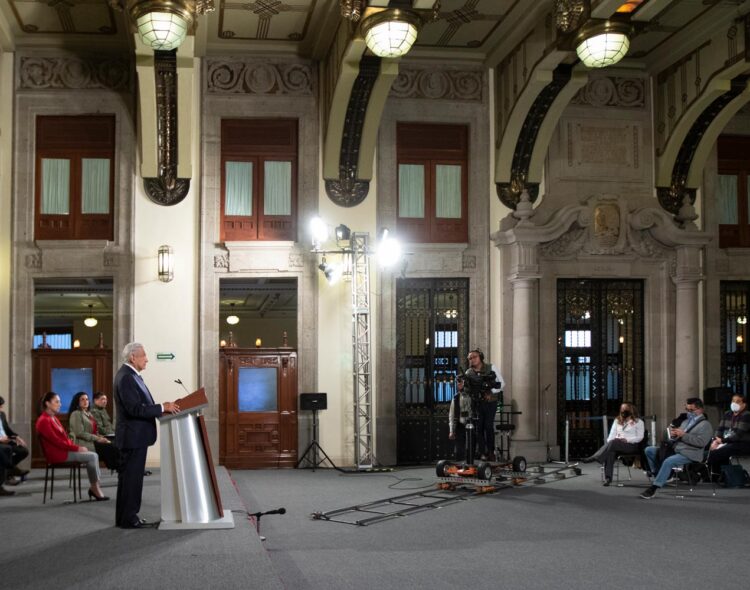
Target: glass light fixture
column 162, row 31
column 391, row 32
column 258, row 343
column 166, row 263
column 90, row 321
column 233, row 319
column 388, row 249
column 76, row 343
column 318, row 232
column 603, row 43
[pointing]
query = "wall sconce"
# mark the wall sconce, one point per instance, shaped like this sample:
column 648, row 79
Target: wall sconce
column 222, row 343
column 258, row 343
column 90, row 321
column 233, row 319
column 163, row 24
column 76, row 343
column 166, row 263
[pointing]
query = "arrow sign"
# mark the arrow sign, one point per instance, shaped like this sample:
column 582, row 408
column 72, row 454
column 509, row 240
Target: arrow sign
column 164, row 356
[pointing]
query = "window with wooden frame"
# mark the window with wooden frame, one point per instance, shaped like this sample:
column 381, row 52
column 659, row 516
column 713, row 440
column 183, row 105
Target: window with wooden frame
column 74, row 177
column 258, row 179
column 733, row 191
column 432, row 182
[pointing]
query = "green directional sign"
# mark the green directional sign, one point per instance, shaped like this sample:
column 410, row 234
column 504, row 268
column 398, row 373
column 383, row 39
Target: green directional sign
column 164, row 356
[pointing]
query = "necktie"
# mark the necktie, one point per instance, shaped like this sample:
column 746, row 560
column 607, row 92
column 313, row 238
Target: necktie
column 144, row 388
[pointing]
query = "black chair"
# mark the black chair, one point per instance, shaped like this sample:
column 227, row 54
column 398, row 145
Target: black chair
column 628, row 460
column 49, row 475
column 693, row 473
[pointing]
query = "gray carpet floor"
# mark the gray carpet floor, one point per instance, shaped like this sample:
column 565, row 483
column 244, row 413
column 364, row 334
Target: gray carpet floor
column 571, row 533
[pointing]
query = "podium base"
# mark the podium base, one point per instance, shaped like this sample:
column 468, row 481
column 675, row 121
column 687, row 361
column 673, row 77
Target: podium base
column 227, row 522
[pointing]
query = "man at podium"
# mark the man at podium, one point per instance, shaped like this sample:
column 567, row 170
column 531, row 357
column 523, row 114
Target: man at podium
column 134, row 433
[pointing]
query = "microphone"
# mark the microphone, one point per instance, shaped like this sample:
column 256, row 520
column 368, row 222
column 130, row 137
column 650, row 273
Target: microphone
column 277, row 511
column 179, row 381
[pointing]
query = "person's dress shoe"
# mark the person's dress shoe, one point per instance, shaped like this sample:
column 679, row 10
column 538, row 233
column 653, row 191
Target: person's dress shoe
column 12, row 481
column 649, row 492
column 141, row 524
column 93, row 496
column 148, row 472
column 4, row 492
column 607, row 482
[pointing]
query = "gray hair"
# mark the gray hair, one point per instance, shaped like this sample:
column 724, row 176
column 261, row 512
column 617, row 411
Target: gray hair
column 129, row 349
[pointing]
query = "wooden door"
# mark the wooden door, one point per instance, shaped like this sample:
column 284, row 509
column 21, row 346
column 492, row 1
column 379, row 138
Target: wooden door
column 258, row 408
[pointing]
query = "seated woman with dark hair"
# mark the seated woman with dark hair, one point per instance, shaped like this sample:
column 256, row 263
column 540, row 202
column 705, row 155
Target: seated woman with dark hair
column 85, row 432
column 58, row 448
column 624, row 437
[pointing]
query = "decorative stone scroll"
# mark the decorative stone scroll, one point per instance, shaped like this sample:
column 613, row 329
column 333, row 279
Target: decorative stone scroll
column 436, row 83
column 256, row 77
column 613, row 91
column 73, row 73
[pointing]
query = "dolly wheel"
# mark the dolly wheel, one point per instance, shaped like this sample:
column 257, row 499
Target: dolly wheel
column 484, row 471
column 440, row 468
column 519, row 464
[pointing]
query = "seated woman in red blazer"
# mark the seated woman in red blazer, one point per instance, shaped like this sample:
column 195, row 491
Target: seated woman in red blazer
column 58, row 447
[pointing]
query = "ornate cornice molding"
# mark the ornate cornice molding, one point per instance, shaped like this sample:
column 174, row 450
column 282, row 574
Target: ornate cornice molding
column 225, row 76
column 613, row 91
column 74, row 73
column 436, row 83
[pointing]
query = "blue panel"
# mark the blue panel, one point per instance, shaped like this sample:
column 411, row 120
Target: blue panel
column 256, row 390
column 67, row 382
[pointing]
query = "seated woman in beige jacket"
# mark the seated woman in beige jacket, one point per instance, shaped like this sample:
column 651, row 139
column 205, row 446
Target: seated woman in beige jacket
column 84, row 431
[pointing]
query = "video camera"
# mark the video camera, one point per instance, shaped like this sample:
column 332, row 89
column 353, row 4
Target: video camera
column 479, row 385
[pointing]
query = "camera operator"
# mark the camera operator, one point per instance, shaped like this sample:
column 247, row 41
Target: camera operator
column 488, row 378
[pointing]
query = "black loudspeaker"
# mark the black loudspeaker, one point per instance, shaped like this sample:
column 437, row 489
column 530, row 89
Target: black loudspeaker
column 717, row 396
column 313, row 401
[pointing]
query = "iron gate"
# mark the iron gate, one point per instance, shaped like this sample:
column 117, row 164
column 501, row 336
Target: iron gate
column 734, row 356
column 432, row 328
column 600, row 355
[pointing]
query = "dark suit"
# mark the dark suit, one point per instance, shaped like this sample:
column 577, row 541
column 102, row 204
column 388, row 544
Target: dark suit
column 134, row 433
column 11, row 454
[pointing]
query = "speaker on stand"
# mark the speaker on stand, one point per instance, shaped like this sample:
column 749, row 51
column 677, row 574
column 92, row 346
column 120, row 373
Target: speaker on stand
column 314, row 402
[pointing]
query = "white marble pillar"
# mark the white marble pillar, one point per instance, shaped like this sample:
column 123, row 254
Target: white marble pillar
column 525, row 362
column 687, row 350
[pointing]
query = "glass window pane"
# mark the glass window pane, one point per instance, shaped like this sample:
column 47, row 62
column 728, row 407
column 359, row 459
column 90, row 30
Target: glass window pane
column 67, row 382
column 256, row 390
column 410, row 190
column 277, row 188
column 238, row 191
column 95, row 180
column 54, row 340
column 726, row 192
column 55, row 186
column 448, row 191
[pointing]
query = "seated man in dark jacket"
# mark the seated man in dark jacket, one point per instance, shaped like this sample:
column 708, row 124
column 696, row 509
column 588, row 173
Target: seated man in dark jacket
column 732, row 437
column 13, row 450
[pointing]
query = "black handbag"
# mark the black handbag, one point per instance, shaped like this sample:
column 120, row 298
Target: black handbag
column 666, row 449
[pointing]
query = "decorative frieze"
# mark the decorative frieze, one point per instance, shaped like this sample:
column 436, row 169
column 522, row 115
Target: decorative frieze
column 34, row 261
column 259, row 77
column 221, row 260
column 613, row 91
column 73, row 73
column 437, row 83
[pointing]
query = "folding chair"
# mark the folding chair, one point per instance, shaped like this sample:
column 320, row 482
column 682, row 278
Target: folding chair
column 49, row 475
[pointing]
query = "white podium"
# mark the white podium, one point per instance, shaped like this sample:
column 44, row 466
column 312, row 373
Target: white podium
column 190, row 496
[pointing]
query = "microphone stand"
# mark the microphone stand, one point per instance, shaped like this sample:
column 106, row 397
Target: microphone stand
column 257, row 516
column 179, row 382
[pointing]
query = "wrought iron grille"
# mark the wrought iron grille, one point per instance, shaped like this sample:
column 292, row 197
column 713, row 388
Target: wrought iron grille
column 600, row 355
column 734, row 356
column 432, row 328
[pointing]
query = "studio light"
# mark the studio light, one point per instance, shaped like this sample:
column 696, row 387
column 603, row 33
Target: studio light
column 332, row 272
column 90, row 321
column 343, row 233
column 233, row 319
column 165, row 262
column 318, row 232
column 388, row 249
column 604, row 43
column 391, row 32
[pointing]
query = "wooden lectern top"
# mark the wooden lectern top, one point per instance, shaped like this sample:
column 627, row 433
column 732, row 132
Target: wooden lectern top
column 195, row 399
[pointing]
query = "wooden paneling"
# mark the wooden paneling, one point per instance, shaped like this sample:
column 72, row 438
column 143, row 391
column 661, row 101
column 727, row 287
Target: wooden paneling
column 253, row 440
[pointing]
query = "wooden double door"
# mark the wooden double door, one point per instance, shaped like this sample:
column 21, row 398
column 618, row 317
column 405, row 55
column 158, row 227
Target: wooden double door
column 258, row 408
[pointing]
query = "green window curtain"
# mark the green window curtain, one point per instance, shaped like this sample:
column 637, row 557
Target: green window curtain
column 55, row 186
column 238, row 192
column 411, row 190
column 726, row 191
column 448, row 191
column 95, row 197
column 277, row 188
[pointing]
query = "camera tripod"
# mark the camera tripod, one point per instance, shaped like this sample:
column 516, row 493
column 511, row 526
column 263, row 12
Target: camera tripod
column 314, row 448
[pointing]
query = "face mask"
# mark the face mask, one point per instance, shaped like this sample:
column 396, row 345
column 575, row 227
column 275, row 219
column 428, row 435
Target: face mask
column 626, row 414
column 691, row 414
column 735, row 407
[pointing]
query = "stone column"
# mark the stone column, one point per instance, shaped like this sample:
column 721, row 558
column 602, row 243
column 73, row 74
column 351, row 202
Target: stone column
column 687, row 352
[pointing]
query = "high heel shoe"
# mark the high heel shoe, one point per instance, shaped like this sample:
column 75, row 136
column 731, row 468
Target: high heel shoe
column 93, row 496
